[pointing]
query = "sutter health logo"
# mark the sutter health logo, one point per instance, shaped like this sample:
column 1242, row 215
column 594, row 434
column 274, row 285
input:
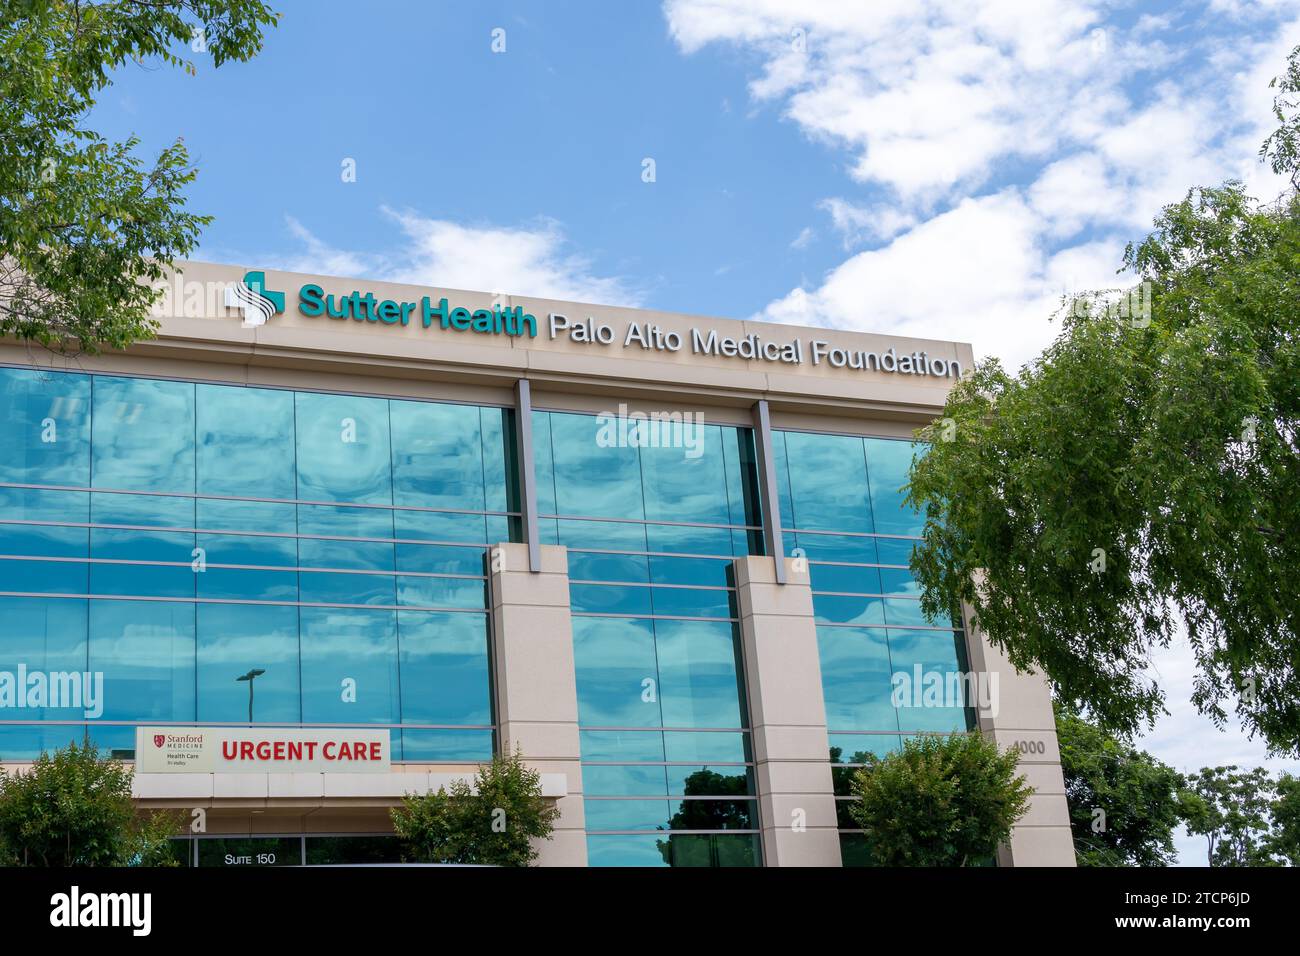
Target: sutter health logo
column 259, row 304
column 254, row 299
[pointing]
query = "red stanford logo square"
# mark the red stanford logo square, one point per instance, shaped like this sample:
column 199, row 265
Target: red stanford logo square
column 159, row 739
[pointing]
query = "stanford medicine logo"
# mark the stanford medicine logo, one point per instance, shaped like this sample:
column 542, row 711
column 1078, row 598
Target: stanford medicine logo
column 252, row 297
column 159, row 740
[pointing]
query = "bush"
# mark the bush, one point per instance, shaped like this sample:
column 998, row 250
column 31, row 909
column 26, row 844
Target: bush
column 491, row 823
column 75, row 809
column 940, row 801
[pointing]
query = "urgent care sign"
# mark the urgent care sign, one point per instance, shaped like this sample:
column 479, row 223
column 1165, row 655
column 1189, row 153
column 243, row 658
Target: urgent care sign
column 269, row 750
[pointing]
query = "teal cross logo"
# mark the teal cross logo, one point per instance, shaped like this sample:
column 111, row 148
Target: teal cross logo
column 252, row 297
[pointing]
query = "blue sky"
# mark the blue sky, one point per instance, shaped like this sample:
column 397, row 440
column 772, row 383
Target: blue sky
column 943, row 169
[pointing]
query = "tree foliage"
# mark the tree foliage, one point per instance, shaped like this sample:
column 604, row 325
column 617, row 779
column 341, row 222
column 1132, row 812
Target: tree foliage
column 1124, row 804
column 490, row 823
column 75, row 809
column 1233, row 811
column 940, row 801
column 1284, row 839
column 87, row 228
column 1141, row 479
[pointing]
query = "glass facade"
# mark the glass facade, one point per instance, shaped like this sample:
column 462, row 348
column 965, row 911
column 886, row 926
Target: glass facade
column 652, row 531
column 886, row 667
column 176, row 535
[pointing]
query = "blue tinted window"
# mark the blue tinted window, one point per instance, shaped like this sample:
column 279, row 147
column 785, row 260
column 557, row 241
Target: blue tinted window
column 606, row 599
column 705, row 747
column 423, row 591
column 349, row 665
column 263, row 516
column 698, row 674
column 616, row 745
column 444, row 665
column 45, row 634
column 591, row 479
column 437, row 455
column 439, row 559
column 437, row 526
column 586, row 566
column 244, row 441
column 235, row 640
column 177, row 456
column 623, row 781
column 342, row 447
column 613, row 659
column 889, row 462
column 44, row 427
column 856, row 678
column 626, row 814
column 43, row 577
column 624, row 850
column 684, row 539
column 844, row 578
column 143, row 435
column 37, row 504
column 146, row 651
column 500, row 478
column 844, row 609
column 929, row 663
column 897, row 581
column 687, row 483
column 692, row 602
column 837, row 547
column 828, row 482
column 895, row 550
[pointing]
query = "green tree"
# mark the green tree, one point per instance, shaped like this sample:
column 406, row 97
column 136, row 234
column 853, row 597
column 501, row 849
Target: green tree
column 490, row 823
column 1284, row 838
column 87, row 228
column 1141, row 479
column 1124, row 804
column 438, row 827
column 1232, row 812
column 940, row 801
column 75, row 809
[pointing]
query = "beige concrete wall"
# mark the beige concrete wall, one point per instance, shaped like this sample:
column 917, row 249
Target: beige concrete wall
column 198, row 329
column 536, row 690
column 788, row 717
column 1024, row 720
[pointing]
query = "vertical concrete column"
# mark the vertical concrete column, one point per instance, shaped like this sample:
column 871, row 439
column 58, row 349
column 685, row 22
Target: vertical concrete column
column 1022, row 718
column 783, row 680
column 536, row 692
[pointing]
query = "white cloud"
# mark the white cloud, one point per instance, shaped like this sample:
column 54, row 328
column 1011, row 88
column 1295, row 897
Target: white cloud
column 534, row 260
column 1009, row 148
column 802, row 240
column 858, row 223
column 977, row 271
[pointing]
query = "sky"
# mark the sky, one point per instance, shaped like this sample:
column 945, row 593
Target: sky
column 946, row 170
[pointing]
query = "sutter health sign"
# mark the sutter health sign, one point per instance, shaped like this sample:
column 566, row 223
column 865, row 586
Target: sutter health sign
column 513, row 321
column 270, row 750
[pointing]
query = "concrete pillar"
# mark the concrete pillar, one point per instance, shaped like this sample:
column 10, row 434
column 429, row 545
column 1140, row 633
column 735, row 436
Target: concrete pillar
column 783, row 680
column 536, row 691
column 1023, row 719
